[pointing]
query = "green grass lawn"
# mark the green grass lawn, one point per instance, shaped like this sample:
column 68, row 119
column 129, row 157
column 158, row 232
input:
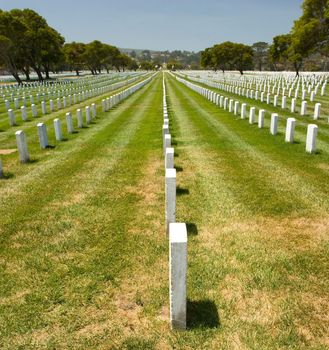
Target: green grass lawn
column 83, row 249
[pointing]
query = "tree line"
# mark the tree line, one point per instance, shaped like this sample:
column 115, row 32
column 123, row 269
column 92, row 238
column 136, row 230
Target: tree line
column 308, row 40
column 28, row 43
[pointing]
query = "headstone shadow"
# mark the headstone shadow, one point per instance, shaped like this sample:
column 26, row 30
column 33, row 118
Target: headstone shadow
column 192, row 229
column 202, row 314
column 180, row 191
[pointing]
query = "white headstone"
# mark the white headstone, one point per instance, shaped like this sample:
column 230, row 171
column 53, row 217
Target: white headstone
column 169, row 158
column 303, row 109
column 312, row 132
column 58, row 129
column 43, row 107
column 88, row 118
column 24, row 115
column 274, row 124
column 243, row 110
column 34, row 110
column 79, row 118
column 42, row 132
column 317, row 111
column 11, row 116
column 177, row 274
column 290, row 130
column 170, row 193
column 167, row 142
column 69, row 123
column 261, row 118
column 293, row 105
column 252, row 115
column 22, row 146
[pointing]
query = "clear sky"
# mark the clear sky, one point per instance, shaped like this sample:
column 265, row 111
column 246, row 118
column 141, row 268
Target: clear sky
column 165, row 24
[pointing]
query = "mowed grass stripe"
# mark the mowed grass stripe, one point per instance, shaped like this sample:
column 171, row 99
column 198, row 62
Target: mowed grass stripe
column 65, row 152
column 223, row 158
column 70, row 172
column 75, row 257
column 301, row 121
column 6, row 129
column 287, row 167
column 254, row 282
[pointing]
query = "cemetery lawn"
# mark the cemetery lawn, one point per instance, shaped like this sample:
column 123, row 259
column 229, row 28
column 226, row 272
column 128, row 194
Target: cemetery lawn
column 83, row 250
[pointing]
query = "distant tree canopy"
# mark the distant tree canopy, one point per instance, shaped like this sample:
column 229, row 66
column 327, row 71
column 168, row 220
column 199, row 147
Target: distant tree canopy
column 307, row 42
column 28, row 43
column 309, row 35
column 228, row 55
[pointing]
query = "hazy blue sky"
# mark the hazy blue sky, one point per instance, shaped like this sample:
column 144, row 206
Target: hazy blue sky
column 170, row 24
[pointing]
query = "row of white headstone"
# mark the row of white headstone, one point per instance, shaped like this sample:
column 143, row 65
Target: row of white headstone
column 262, row 97
column 90, row 87
column 89, row 114
column 234, row 107
column 177, row 232
column 66, row 102
column 60, row 88
column 305, row 86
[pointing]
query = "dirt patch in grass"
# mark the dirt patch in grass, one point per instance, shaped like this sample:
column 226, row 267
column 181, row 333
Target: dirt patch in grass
column 323, row 166
column 7, row 151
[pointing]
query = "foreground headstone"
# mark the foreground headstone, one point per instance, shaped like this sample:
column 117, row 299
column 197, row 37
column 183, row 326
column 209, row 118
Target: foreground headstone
column 177, row 274
column 303, row 109
column 22, row 146
column 43, row 107
column 88, row 119
column 69, row 123
column 43, row 138
column 312, row 133
column 243, row 110
column 261, row 118
column 252, row 115
column 167, row 142
column 58, row 129
column 236, row 107
column 93, row 110
column 24, row 115
column 11, row 116
column 317, row 111
column 169, row 158
column 293, row 105
column 284, row 102
column 274, row 124
column 34, row 111
column 170, row 193
column 290, row 130
column 79, row 118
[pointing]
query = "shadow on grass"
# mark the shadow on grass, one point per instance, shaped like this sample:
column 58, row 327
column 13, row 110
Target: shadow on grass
column 179, row 169
column 33, row 161
column 51, row 147
column 202, row 314
column 192, row 229
column 180, row 191
column 6, row 176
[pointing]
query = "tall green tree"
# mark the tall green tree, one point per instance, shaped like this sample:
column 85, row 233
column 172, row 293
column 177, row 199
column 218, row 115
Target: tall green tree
column 12, row 41
column 42, row 44
column 74, row 55
column 260, row 50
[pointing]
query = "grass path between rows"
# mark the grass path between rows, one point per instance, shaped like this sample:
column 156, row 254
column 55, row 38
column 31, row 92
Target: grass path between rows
column 84, row 235
column 257, row 210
